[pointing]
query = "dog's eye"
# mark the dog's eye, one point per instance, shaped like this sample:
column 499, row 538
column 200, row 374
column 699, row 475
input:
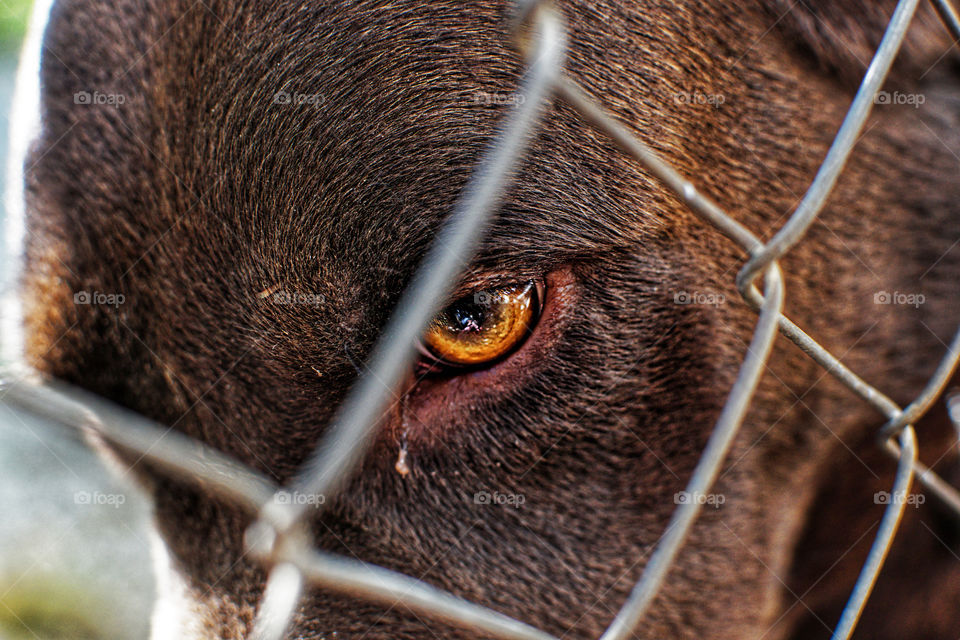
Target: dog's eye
column 482, row 328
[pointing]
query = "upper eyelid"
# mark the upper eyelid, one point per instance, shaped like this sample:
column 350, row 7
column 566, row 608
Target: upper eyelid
column 492, row 281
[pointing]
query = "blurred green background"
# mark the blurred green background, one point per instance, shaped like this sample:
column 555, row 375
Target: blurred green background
column 70, row 568
column 13, row 24
column 14, row 17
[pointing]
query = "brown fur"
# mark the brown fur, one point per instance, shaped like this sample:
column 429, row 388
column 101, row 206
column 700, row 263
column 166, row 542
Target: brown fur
column 199, row 192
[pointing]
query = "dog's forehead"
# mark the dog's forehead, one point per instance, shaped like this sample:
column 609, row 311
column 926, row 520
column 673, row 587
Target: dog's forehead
column 337, row 136
column 327, row 135
column 350, row 130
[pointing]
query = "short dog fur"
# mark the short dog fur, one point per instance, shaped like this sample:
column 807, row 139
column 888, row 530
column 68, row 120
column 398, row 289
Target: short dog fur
column 200, row 192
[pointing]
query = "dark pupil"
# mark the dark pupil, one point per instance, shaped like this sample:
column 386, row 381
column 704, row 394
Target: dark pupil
column 466, row 316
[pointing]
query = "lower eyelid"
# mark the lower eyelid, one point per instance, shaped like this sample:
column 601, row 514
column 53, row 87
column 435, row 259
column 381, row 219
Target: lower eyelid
column 437, row 403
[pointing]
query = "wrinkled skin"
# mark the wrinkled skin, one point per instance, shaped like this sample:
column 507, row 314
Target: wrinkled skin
column 199, row 191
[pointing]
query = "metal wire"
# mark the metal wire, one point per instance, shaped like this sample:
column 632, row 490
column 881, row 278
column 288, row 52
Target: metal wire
column 709, row 466
column 948, row 14
column 280, row 538
column 351, row 429
column 188, row 458
column 280, row 598
column 843, row 143
column 881, row 544
column 391, row 588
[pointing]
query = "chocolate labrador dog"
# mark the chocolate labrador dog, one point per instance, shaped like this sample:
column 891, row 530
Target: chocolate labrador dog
column 228, row 196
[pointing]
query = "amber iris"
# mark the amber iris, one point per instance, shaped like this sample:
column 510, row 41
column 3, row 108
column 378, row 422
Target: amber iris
column 483, row 327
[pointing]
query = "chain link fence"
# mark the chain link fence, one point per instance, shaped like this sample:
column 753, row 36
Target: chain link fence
column 280, row 537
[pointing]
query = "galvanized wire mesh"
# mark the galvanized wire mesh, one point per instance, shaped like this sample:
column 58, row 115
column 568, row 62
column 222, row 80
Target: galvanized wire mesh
column 280, row 537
